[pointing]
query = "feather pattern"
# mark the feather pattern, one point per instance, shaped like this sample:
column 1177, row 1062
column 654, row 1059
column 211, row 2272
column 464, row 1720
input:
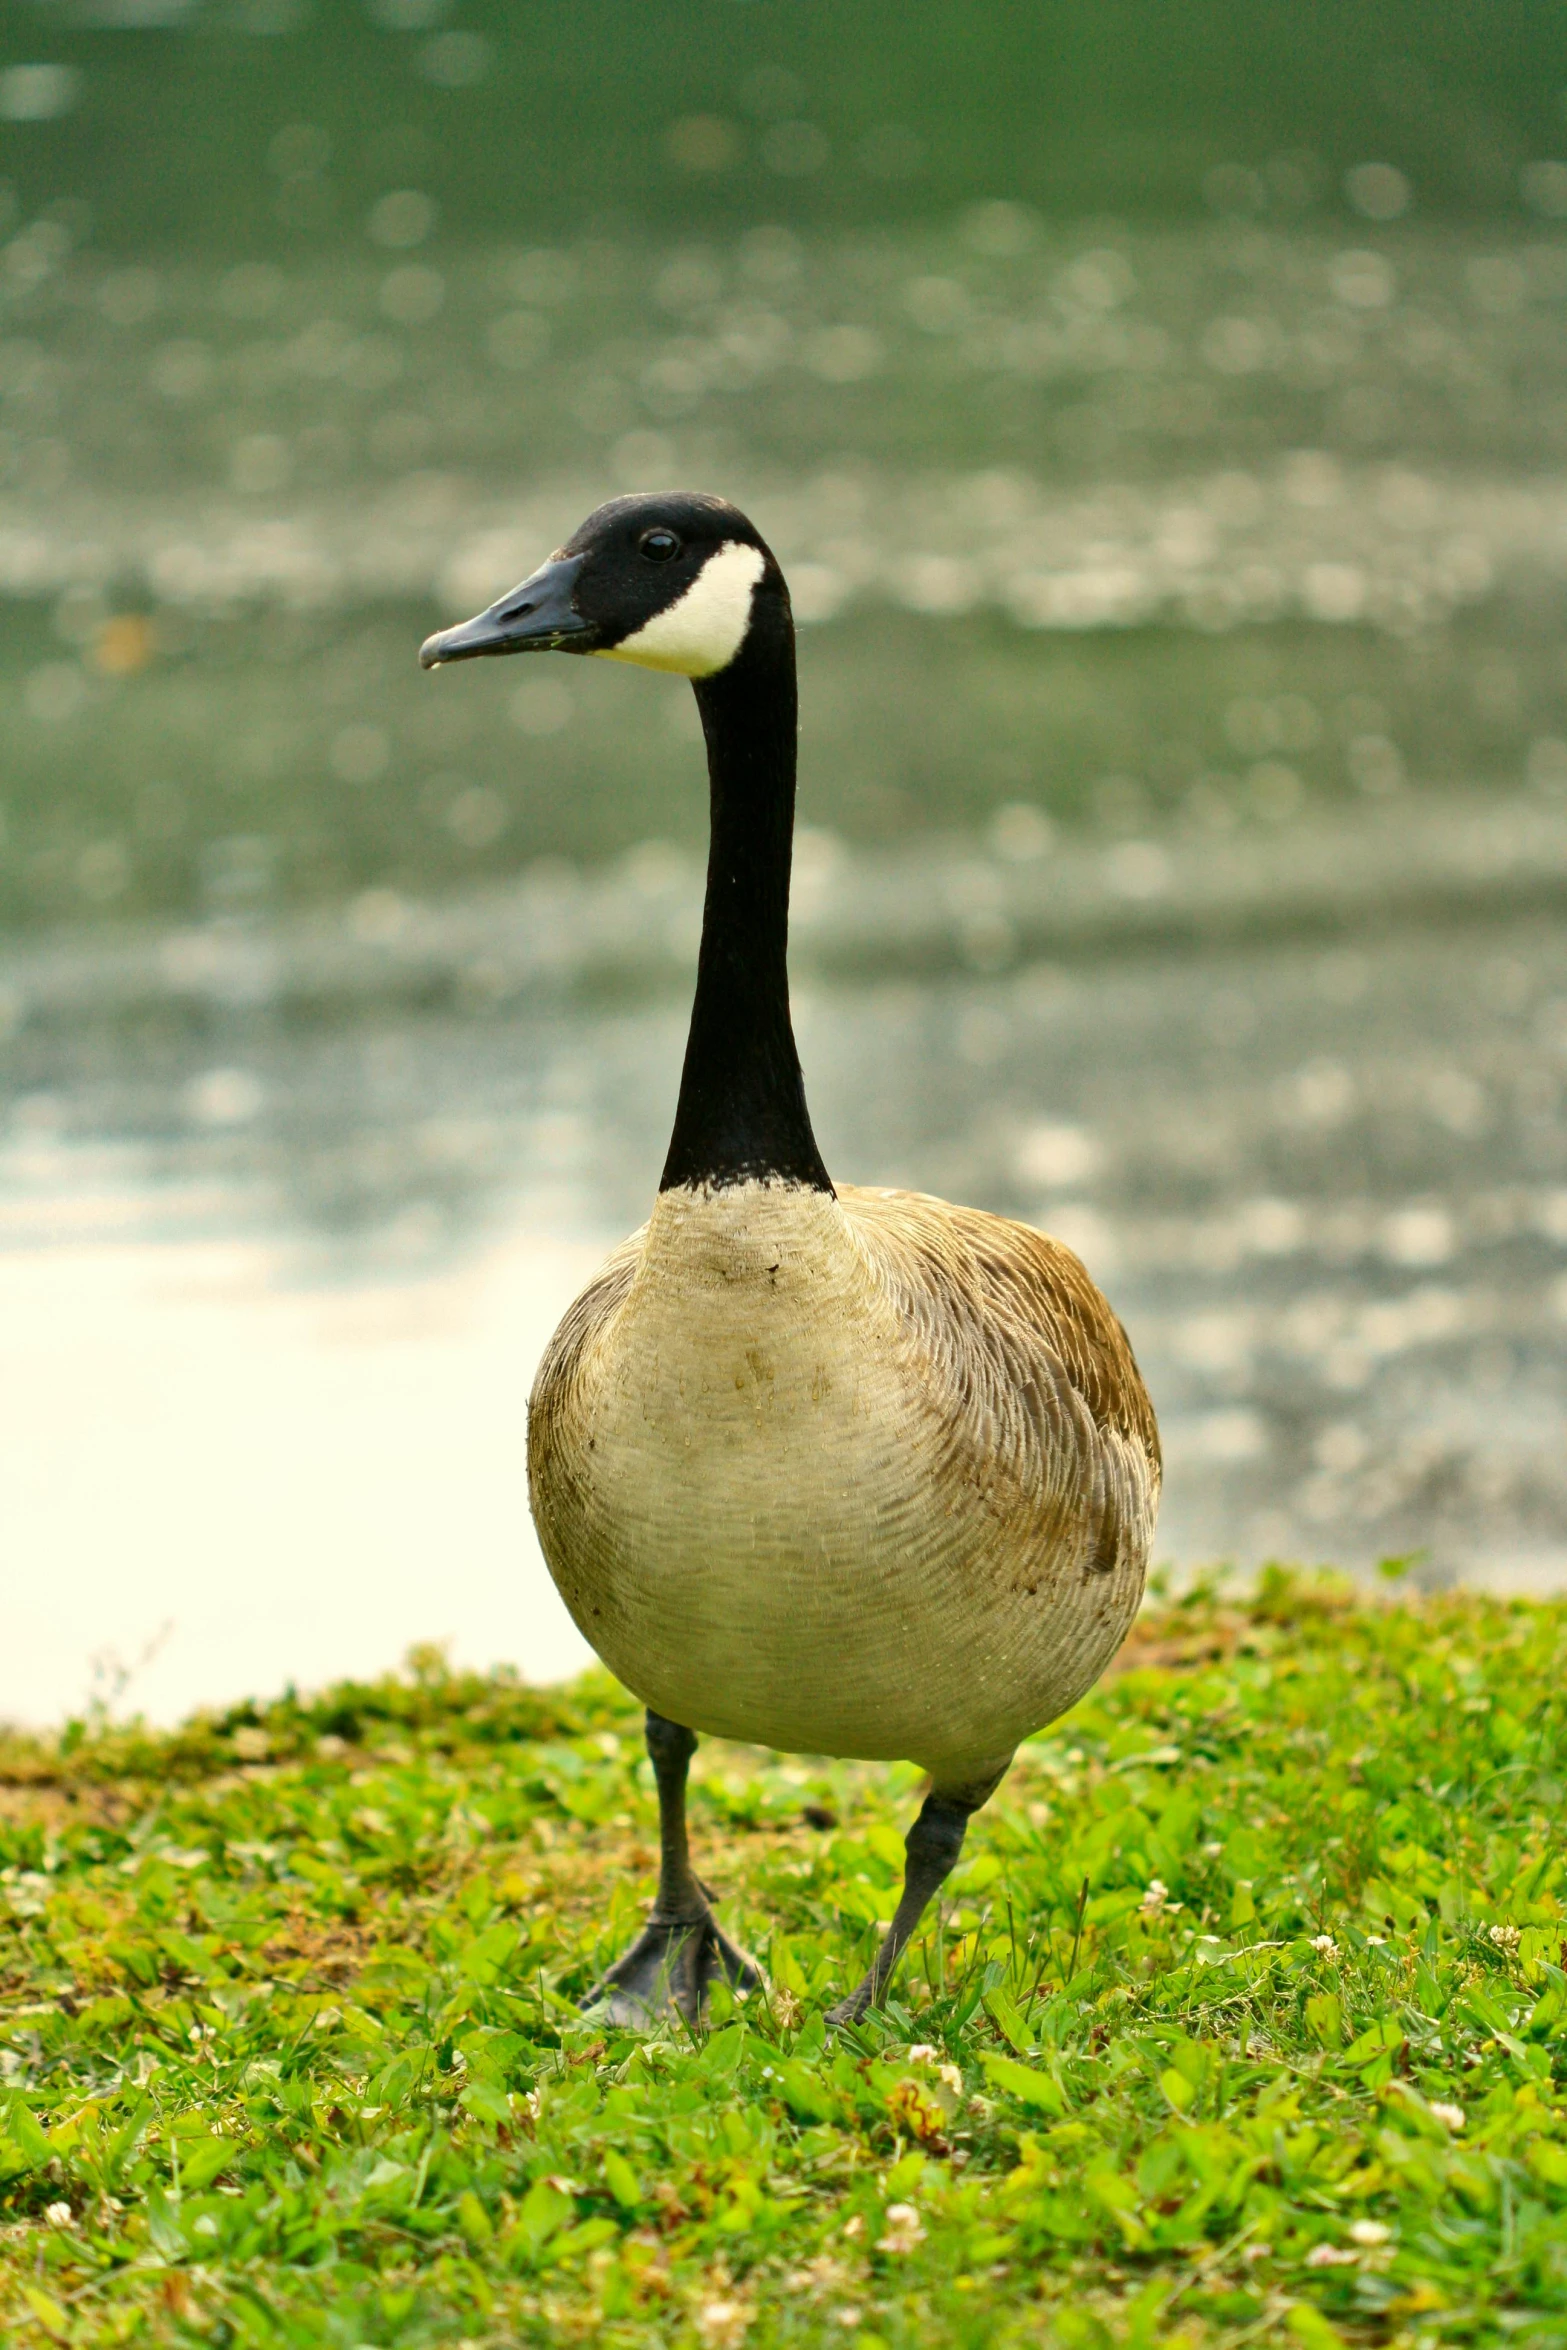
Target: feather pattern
column 861, row 1474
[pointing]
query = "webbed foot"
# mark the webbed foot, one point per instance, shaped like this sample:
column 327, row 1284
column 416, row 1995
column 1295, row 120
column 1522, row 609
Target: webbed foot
column 932, row 1845
column 666, row 1973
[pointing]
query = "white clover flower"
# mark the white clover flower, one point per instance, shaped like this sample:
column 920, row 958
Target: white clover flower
column 1330, row 2256
column 1506, row 1938
column 59, row 2215
column 1452, row 2115
column 923, row 2052
column 1153, row 1901
column 723, row 2322
column 1369, row 2231
column 1325, row 1944
column 903, row 2229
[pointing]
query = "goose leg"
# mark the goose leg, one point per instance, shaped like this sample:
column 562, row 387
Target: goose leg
column 933, row 1845
column 681, row 1950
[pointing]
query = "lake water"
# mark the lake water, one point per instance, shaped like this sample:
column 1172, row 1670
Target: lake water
column 1184, row 805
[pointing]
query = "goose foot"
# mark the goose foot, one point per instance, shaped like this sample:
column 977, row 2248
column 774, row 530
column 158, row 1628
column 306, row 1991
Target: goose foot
column 666, row 1974
column 932, row 1845
column 680, row 1951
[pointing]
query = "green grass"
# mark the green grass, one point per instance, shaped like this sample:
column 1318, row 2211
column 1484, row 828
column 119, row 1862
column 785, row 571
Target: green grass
column 1242, row 2022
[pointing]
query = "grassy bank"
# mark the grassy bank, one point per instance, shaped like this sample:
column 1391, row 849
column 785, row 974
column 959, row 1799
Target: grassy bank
column 1243, row 2021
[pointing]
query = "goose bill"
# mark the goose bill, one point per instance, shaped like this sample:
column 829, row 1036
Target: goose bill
column 537, row 617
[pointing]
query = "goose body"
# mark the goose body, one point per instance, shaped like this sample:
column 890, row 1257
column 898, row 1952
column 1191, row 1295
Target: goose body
column 860, row 1474
column 834, row 1470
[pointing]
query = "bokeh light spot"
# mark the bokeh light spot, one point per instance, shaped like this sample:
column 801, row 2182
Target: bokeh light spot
column 771, row 93
column 103, row 870
column 1543, row 187
column 250, row 291
column 38, row 93
column 795, row 150
column 409, row 16
column 702, row 143
column 517, row 340
column 541, row 706
column 771, row 258
column 891, row 152
column 477, row 817
column 260, row 463
column 1000, row 229
column 1362, row 281
column 1378, row 191
column 54, row 692
column 128, row 297
column 124, row 645
column 455, row 61
column 412, row 295
column 1020, row 832
column 298, row 150
column 359, row 754
column 844, row 354
column 182, row 370
column 224, row 1097
column 402, row 218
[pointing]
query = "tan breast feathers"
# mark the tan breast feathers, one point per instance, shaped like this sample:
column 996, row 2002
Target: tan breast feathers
column 865, row 1475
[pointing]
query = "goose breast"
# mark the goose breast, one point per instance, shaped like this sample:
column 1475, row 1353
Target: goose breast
column 857, row 1475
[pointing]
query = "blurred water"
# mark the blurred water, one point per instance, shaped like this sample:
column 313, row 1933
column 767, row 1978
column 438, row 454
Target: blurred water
column 1198, row 524
column 1184, row 804
column 1310, row 1140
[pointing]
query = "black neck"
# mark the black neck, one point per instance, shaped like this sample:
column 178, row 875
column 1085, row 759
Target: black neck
column 742, row 1112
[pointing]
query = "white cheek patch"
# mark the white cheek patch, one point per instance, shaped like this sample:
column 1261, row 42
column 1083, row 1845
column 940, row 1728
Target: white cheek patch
column 701, row 632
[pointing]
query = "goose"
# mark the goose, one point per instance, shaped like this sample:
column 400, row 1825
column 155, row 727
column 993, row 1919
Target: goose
column 830, row 1469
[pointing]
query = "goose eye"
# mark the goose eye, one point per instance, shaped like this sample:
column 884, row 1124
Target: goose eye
column 659, row 546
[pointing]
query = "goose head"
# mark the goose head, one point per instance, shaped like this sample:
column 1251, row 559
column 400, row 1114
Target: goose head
column 679, row 582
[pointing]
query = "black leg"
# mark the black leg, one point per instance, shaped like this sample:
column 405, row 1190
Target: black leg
column 680, row 1951
column 933, row 1845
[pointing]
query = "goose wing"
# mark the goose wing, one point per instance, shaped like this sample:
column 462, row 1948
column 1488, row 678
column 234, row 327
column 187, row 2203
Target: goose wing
column 1049, row 1413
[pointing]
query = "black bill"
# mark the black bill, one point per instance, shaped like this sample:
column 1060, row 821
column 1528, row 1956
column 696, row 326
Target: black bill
column 537, row 617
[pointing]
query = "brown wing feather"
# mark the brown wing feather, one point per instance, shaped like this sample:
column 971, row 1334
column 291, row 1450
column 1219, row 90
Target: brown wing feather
column 1048, row 1390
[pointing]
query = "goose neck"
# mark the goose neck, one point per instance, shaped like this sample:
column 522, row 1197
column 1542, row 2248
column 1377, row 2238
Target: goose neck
column 742, row 1111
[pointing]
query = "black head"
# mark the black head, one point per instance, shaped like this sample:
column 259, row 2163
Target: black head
column 674, row 581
